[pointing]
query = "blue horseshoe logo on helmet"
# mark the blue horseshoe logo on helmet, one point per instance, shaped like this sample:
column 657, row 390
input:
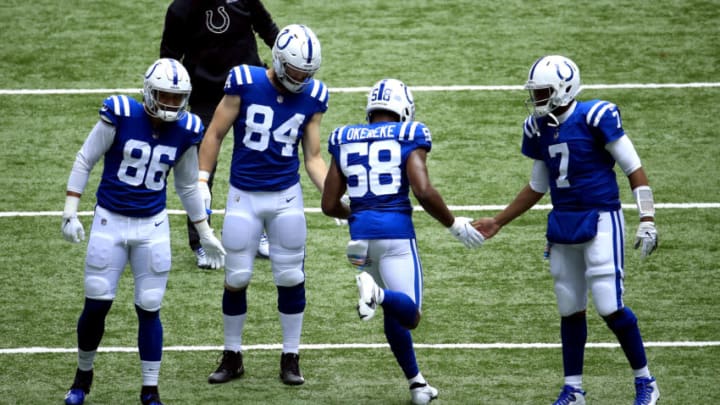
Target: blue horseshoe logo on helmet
column 280, row 37
column 572, row 72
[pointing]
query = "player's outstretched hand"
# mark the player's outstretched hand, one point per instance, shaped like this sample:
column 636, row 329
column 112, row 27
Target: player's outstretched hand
column 463, row 231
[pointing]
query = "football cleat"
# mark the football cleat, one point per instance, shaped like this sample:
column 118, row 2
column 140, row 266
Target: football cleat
column 263, row 247
column 369, row 296
column 422, row 393
column 290, row 369
column 570, row 396
column 202, row 260
column 646, row 391
column 231, row 367
column 80, row 388
column 150, row 399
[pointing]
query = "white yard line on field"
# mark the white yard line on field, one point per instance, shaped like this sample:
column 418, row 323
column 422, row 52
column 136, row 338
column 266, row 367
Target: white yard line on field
column 349, row 346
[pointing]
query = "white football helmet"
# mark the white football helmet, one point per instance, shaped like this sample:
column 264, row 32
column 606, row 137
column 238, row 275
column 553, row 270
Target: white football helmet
column 553, row 81
column 166, row 89
column 296, row 57
column 391, row 95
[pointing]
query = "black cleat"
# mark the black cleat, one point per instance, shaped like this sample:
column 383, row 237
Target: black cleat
column 80, row 387
column 231, row 367
column 149, row 395
column 290, row 369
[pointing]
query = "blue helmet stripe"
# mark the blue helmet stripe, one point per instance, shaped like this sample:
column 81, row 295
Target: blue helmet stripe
column 310, row 44
column 532, row 70
column 175, row 73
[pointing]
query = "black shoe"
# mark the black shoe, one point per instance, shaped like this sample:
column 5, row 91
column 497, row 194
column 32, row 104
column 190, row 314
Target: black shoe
column 231, row 366
column 290, row 369
column 149, row 395
column 80, row 387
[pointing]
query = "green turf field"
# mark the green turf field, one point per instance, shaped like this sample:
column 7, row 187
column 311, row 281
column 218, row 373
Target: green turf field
column 482, row 309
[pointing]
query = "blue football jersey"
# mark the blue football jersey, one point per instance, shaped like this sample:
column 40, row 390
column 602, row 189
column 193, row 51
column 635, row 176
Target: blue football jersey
column 137, row 164
column 581, row 169
column 268, row 129
column 373, row 158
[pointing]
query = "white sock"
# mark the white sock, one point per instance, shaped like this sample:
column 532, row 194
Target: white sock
column 150, row 372
column 417, row 379
column 86, row 359
column 234, row 325
column 292, row 328
column 574, row 381
column 642, row 372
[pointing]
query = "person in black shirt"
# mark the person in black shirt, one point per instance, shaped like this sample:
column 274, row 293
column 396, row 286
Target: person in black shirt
column 210, row 37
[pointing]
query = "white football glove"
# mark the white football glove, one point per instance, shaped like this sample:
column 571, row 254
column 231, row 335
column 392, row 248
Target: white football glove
column 463, row 231
column 345, row 200
column 647, row 237
column 213, row 247
column 71, row 227
column 204, row 190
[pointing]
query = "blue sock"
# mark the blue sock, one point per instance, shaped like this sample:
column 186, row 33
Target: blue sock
column 401, row 307
column 624, row 325
column 573, row 332
column 401, row 344
column 234, row 302
column 91, row 324
column 150, row 334
column 291, row 300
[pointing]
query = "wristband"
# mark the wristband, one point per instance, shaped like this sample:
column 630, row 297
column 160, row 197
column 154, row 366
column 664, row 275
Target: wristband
column 71, row 205
column 204, row 176
column 645, row 202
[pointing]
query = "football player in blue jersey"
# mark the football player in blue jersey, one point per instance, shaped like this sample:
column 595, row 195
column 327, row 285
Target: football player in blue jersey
column 271, row 111
column 574, row 146
column 210, row 37
column 378, row 163
column 139, row 144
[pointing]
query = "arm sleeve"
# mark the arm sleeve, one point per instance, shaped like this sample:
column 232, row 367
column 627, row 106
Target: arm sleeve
column 540, row 177
column 624, row 153
column 97, row 143
column 174, row 35
column 263, row 24
column 186, row 177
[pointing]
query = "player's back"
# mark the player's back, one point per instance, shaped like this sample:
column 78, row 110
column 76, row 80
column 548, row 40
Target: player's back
column 373, row 158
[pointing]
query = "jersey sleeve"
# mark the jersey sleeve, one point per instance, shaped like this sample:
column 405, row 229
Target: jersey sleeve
column 603, row 119
column 530, row 145
column 237, row 80
column 114, row 109
column 417, row 133
column 194, row 126
column 319, row 93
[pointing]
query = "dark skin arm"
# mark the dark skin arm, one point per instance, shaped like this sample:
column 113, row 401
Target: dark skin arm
column 428, row 197
column 335, row 186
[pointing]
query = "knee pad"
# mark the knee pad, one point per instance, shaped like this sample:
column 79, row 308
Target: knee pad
column 237, row 278
column 607, row 293
column 287, row 268
column 569, row 301
column 151, row 299
column 98, row 288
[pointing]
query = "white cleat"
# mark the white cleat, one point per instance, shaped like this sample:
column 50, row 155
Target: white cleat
column 369, row 294
column 646, row 391
column 422, row 394
column 202, row 260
